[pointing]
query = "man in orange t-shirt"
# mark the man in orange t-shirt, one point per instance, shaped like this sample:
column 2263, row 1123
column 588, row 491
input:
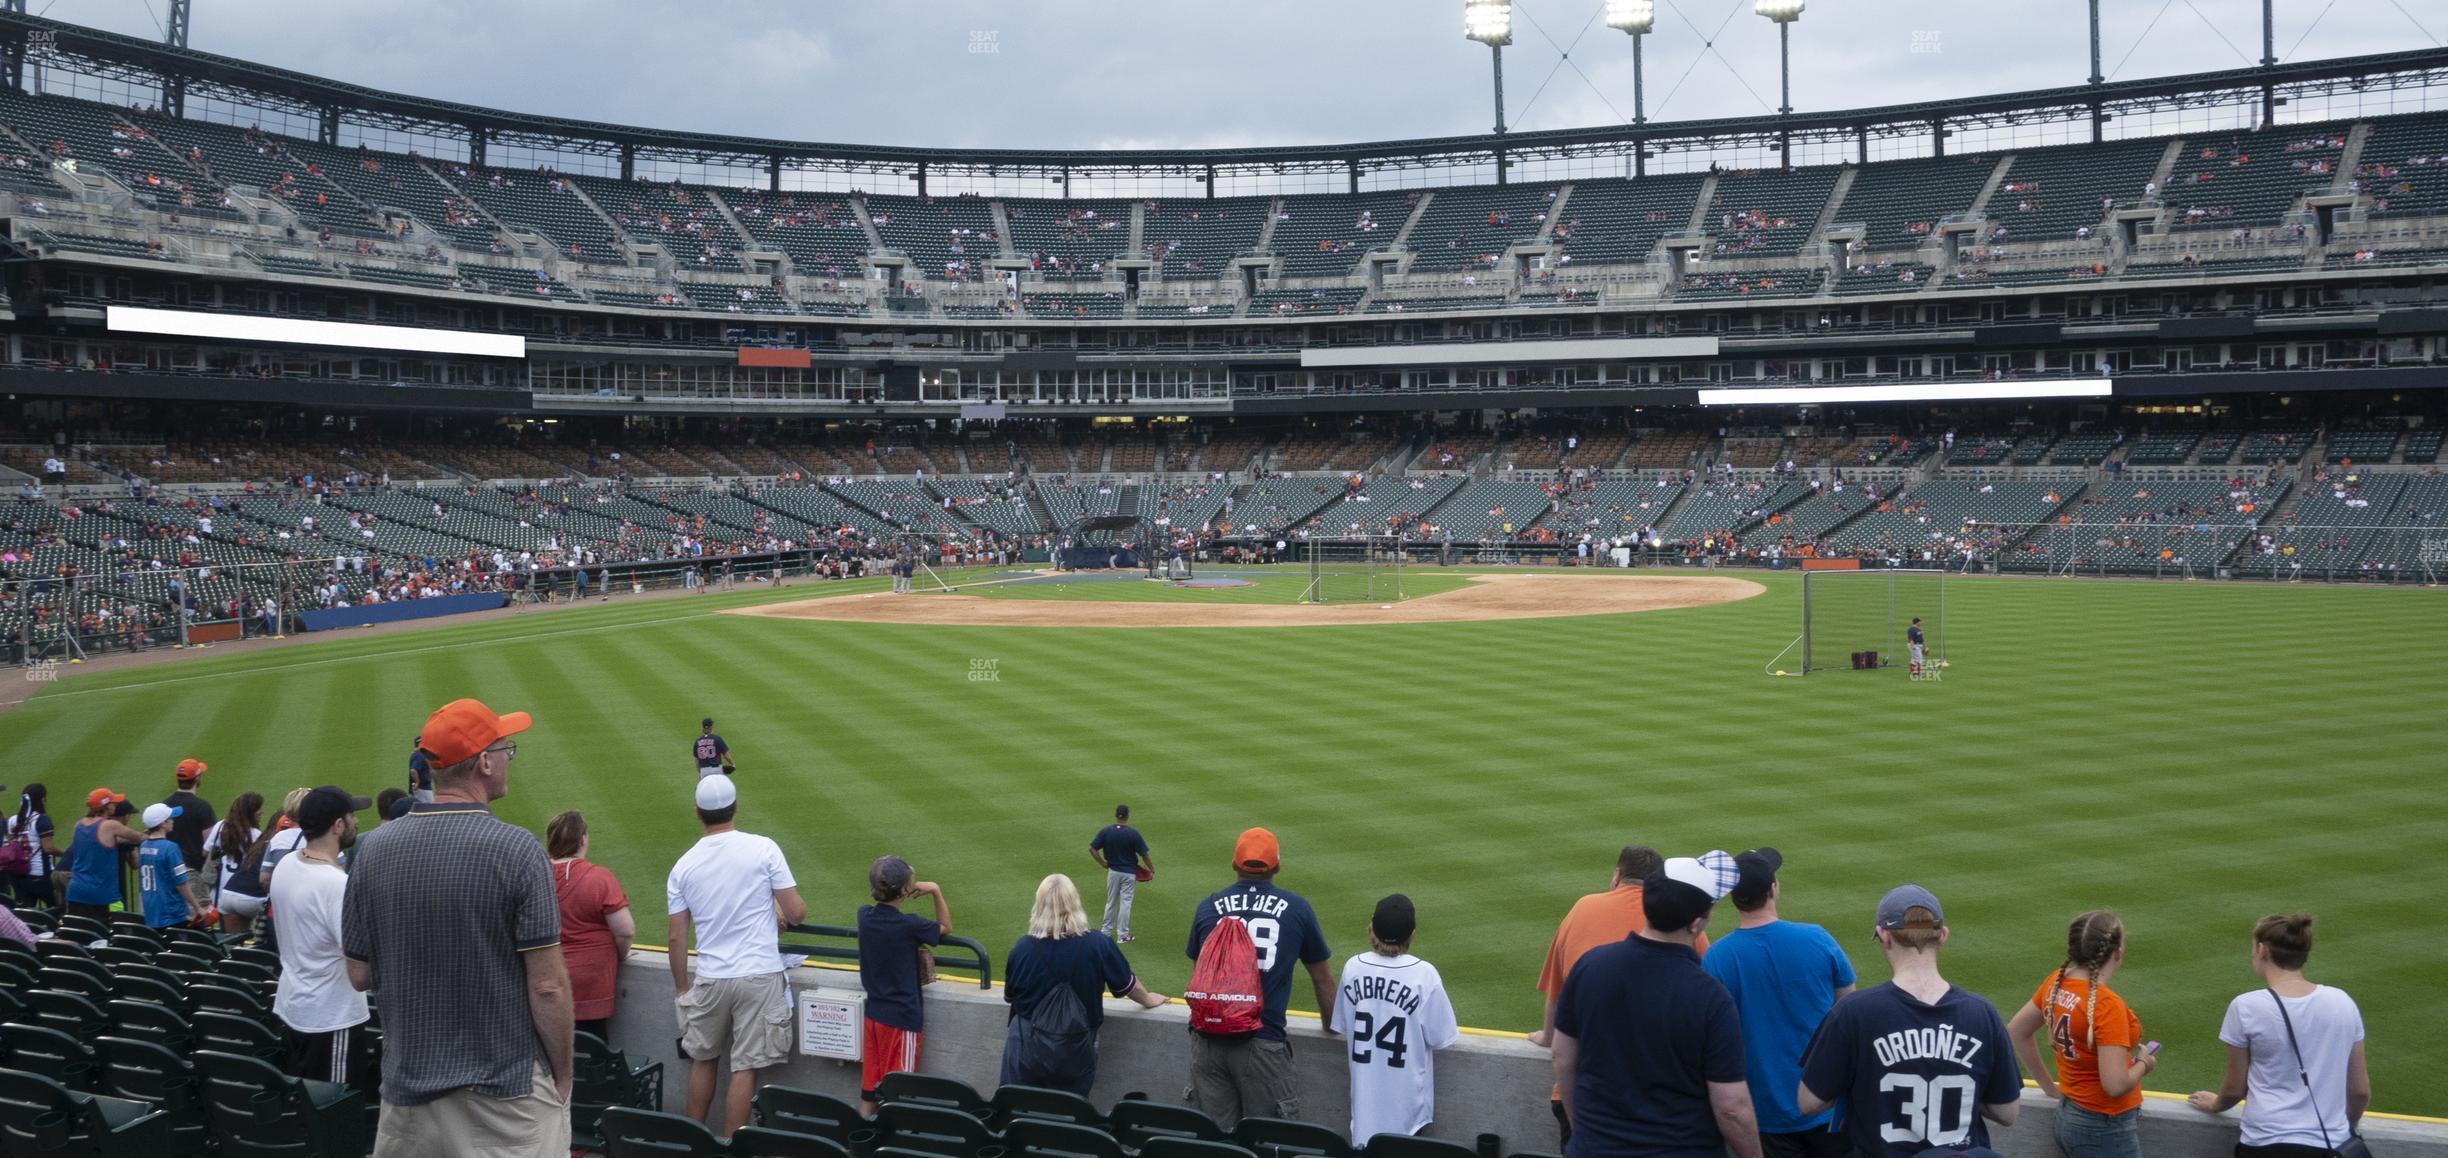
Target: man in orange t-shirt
column 1596, row 919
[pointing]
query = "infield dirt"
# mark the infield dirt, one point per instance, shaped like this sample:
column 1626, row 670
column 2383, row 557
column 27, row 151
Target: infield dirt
column 1498, row 596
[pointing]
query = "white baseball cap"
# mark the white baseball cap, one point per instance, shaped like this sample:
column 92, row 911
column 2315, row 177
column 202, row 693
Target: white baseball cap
column 715, row 793
column 156, row 815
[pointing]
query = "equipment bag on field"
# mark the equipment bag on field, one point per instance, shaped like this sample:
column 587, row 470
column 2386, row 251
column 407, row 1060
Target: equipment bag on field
column 1223, row 991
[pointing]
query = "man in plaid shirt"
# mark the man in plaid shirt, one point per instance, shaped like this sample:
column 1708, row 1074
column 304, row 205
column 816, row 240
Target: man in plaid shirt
column 450, row 916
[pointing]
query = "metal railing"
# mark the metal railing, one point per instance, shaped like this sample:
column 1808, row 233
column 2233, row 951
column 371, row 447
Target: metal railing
column 972, row 956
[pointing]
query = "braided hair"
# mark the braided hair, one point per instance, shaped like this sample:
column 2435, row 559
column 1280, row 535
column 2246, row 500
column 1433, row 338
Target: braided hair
column 2091, row 941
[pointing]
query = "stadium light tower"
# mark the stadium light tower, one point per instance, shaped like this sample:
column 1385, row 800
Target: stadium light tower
column 1490, row 22
column 1636, row 17
column 1784, row 12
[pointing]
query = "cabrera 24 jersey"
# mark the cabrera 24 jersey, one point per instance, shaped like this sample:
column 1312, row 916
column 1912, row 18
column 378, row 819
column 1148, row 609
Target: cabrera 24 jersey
column 1393, row 1013
column 1912, row 1075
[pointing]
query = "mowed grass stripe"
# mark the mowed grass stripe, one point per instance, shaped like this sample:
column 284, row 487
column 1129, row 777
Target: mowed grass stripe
column 2191, row 755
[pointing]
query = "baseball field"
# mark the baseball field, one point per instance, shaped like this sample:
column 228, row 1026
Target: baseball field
column 2193, row 756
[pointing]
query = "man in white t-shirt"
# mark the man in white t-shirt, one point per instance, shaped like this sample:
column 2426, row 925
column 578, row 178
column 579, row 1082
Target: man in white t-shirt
column 315, row 1000
column 735, row 892
column 1391, row 1007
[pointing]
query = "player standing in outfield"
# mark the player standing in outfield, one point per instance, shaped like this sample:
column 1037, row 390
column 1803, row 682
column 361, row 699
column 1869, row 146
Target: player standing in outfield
column 1392, row 1009
column 1914, row 643
column 713, row 756
column 1921, row 1061
column 1120, row 851
column 2097, row 1040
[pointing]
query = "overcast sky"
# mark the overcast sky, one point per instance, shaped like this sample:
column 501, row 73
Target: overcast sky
column 1165, row 73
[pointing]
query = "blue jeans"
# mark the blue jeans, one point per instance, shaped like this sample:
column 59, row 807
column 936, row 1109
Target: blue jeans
column 2085, row 1133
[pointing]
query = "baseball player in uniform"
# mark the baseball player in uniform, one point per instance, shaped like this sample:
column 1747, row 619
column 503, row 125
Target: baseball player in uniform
column 1916, row 645
column 713, row 756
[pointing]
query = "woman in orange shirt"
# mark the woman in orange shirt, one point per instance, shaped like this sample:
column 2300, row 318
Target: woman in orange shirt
column 2097, row 1042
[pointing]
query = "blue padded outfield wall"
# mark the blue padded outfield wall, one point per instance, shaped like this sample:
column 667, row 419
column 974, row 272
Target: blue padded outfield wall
column 395, row 612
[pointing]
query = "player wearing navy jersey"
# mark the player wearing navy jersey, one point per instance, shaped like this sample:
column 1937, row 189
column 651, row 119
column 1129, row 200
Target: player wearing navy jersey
column 1918, row 1062
column 713, row 756
column 1914, row 643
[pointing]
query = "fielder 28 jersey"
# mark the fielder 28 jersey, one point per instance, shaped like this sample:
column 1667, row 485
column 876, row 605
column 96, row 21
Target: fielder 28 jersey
column 1912, row 1075
column 1393, row 1013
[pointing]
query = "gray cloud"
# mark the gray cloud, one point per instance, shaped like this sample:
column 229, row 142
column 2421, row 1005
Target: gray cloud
column 1167, row 73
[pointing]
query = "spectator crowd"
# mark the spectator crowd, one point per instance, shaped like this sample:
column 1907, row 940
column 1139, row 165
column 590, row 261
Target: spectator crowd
column 492, row 958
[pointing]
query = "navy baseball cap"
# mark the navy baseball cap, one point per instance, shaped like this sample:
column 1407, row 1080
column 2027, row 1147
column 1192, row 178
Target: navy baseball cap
column 1892, row 907
column 1394, row 920
column 1755, row 872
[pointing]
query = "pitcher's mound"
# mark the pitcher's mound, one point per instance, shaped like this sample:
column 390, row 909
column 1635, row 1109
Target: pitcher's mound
column 1500, row 596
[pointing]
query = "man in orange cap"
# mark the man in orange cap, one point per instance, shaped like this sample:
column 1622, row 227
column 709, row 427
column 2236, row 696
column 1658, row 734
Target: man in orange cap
column 94, row 880
column 195, row 814
column 451, row 912
column 1251, row 1074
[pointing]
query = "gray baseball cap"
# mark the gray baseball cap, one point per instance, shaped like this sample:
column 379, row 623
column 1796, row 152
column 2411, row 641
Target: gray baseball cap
column 1892, row 906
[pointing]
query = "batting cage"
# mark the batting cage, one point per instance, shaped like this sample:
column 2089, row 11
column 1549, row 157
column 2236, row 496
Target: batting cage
column 1120, row 542
column 1865, row 621
column 1365, row 570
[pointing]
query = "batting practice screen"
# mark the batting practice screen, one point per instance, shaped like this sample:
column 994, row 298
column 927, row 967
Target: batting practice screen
column 1863, row 619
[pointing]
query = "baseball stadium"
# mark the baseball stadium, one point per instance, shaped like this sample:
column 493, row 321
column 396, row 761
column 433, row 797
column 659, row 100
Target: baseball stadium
column 2033, row 496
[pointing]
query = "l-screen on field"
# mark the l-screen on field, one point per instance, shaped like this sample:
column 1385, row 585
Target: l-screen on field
column 2191, row 756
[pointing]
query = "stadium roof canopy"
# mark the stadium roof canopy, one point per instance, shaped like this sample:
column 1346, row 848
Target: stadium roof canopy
column 178, row 73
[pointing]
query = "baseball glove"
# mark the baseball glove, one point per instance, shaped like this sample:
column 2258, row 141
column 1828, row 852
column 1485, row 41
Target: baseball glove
column 1145, row 873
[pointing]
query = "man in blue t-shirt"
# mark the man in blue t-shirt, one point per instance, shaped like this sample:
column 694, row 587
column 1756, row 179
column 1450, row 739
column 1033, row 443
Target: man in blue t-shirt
column 712, row 755
column 1119, row 850
column 1783, row 976
column 164, row 887
column 1233, row 1077
column 1648, row 1048
column 889, row 944
column 1918, row 1061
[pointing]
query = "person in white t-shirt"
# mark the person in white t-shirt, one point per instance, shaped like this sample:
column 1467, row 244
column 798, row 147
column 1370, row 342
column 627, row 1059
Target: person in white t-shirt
column 1391, row 1007
column 2294, row 1053
column 315, row 1000
column 735, row 892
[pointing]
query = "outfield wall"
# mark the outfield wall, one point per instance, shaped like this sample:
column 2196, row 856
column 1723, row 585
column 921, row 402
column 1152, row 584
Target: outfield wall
column 1487, row 1084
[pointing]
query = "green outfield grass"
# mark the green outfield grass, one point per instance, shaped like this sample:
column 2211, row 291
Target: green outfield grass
column 2192, row 755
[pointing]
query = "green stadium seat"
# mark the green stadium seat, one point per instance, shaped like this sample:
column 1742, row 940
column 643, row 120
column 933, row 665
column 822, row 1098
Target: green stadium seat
column 39, row 1115
column 116, row 956
column 148, row 983
column 1138, row 1123
column 1193, row 1148
column 1042, row 1138
column 807, row 1112
column 66, row 1012
column 159, row 1075
column 88, row 979
column 931, row 1090
column 606, row 1077
column 239, row 1034
column 1012, row 1103
column 634, row 1133
column 260, row 1112
column 151, row 1021
column 1407, row 1146
column 40, row 1049
column 1284, row 1137
column 928, row 1128
column 765, row 1142
column 15, row 976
